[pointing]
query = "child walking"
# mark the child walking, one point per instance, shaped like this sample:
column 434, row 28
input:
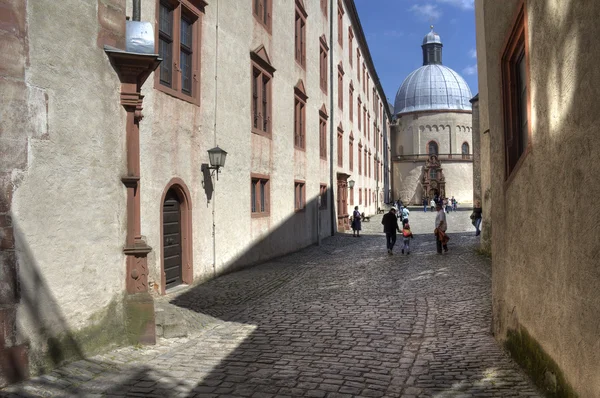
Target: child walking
column 407, row 236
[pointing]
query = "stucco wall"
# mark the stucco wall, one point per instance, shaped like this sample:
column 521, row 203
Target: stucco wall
column 175, row 136
column 544, row 240
column 68, row 205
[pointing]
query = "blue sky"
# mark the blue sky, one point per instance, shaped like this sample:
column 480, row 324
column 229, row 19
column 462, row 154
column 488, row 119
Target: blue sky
column 395, row 29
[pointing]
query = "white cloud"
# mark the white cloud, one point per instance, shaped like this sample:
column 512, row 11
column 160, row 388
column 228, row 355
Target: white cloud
column 470, row 70
column 473, row 53
column 427, row 12
column 464, row 4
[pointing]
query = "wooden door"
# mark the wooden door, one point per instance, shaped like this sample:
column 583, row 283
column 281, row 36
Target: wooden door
column 172, row 240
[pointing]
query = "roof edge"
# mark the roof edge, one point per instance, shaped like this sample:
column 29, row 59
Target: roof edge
column 360, row 37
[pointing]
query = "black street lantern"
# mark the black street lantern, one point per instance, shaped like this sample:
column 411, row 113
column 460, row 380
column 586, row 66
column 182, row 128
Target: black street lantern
column 217, row 157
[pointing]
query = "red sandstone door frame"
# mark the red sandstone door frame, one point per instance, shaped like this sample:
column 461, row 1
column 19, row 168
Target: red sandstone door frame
column 183, row 194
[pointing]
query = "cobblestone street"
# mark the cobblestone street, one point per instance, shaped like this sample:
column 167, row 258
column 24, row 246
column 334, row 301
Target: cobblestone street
column 340, row 320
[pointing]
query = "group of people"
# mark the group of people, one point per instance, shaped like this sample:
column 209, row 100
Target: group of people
column 391, row 226
column 448, row 205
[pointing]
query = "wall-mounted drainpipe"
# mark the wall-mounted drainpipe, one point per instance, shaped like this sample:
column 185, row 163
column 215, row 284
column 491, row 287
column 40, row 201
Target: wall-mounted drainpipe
column 331, row 119
column 136, row 10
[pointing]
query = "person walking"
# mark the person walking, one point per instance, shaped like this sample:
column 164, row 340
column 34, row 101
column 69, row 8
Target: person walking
column 406, row 236
column 390, row 226
column 405, row 214
column 476, row 217
column 432, row 204
column 441, row 239
column 425, row 203
column 356, row 222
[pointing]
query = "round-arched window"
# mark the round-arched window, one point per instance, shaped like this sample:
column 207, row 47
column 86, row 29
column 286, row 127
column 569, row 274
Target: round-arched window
column 433, row 148
column 465, row 150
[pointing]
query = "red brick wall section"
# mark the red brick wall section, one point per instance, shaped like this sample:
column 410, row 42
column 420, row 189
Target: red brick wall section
column 14, row 49
column 111, row 23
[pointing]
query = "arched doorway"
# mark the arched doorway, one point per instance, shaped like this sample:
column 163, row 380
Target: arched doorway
column 176, row 233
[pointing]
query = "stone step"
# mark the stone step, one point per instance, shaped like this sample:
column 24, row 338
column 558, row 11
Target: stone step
column 173, row 321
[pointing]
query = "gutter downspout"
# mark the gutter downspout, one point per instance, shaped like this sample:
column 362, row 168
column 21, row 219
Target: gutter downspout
column 331, row 118
column 214, row 199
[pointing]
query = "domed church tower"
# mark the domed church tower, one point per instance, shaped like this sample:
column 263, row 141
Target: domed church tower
column 431, row 136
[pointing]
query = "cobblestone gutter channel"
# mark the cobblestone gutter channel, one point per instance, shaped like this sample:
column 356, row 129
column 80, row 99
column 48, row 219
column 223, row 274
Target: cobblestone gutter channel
column 340, row 320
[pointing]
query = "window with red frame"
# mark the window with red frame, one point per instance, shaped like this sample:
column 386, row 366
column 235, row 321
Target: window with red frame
column 358, row 112
column 322, row 137
column 323, row 67
column 299, row 122
column 340, row 148
column 323, row 196
column 261, row 100
column 341, row 24
column 260, row 195
column 351, row 152
column 340, row 90
column 350, row 41
column 262, row 12
column 300, row 35
column 178, row 45
column 350, row 102
column 359, row 159
column 515, row 93
column 299, row 195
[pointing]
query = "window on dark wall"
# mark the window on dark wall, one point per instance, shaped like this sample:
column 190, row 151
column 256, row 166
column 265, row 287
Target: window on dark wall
column 515, row 93
column 260, row 196
column 299, row 195
column 178, row 40
column 323, row 196
column 262, row 12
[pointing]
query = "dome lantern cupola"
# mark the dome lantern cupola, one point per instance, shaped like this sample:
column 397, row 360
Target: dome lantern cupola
column 432, row 49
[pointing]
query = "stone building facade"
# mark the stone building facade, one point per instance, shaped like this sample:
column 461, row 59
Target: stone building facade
column 432, row 117
column 107, row 197
column 538, row 81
